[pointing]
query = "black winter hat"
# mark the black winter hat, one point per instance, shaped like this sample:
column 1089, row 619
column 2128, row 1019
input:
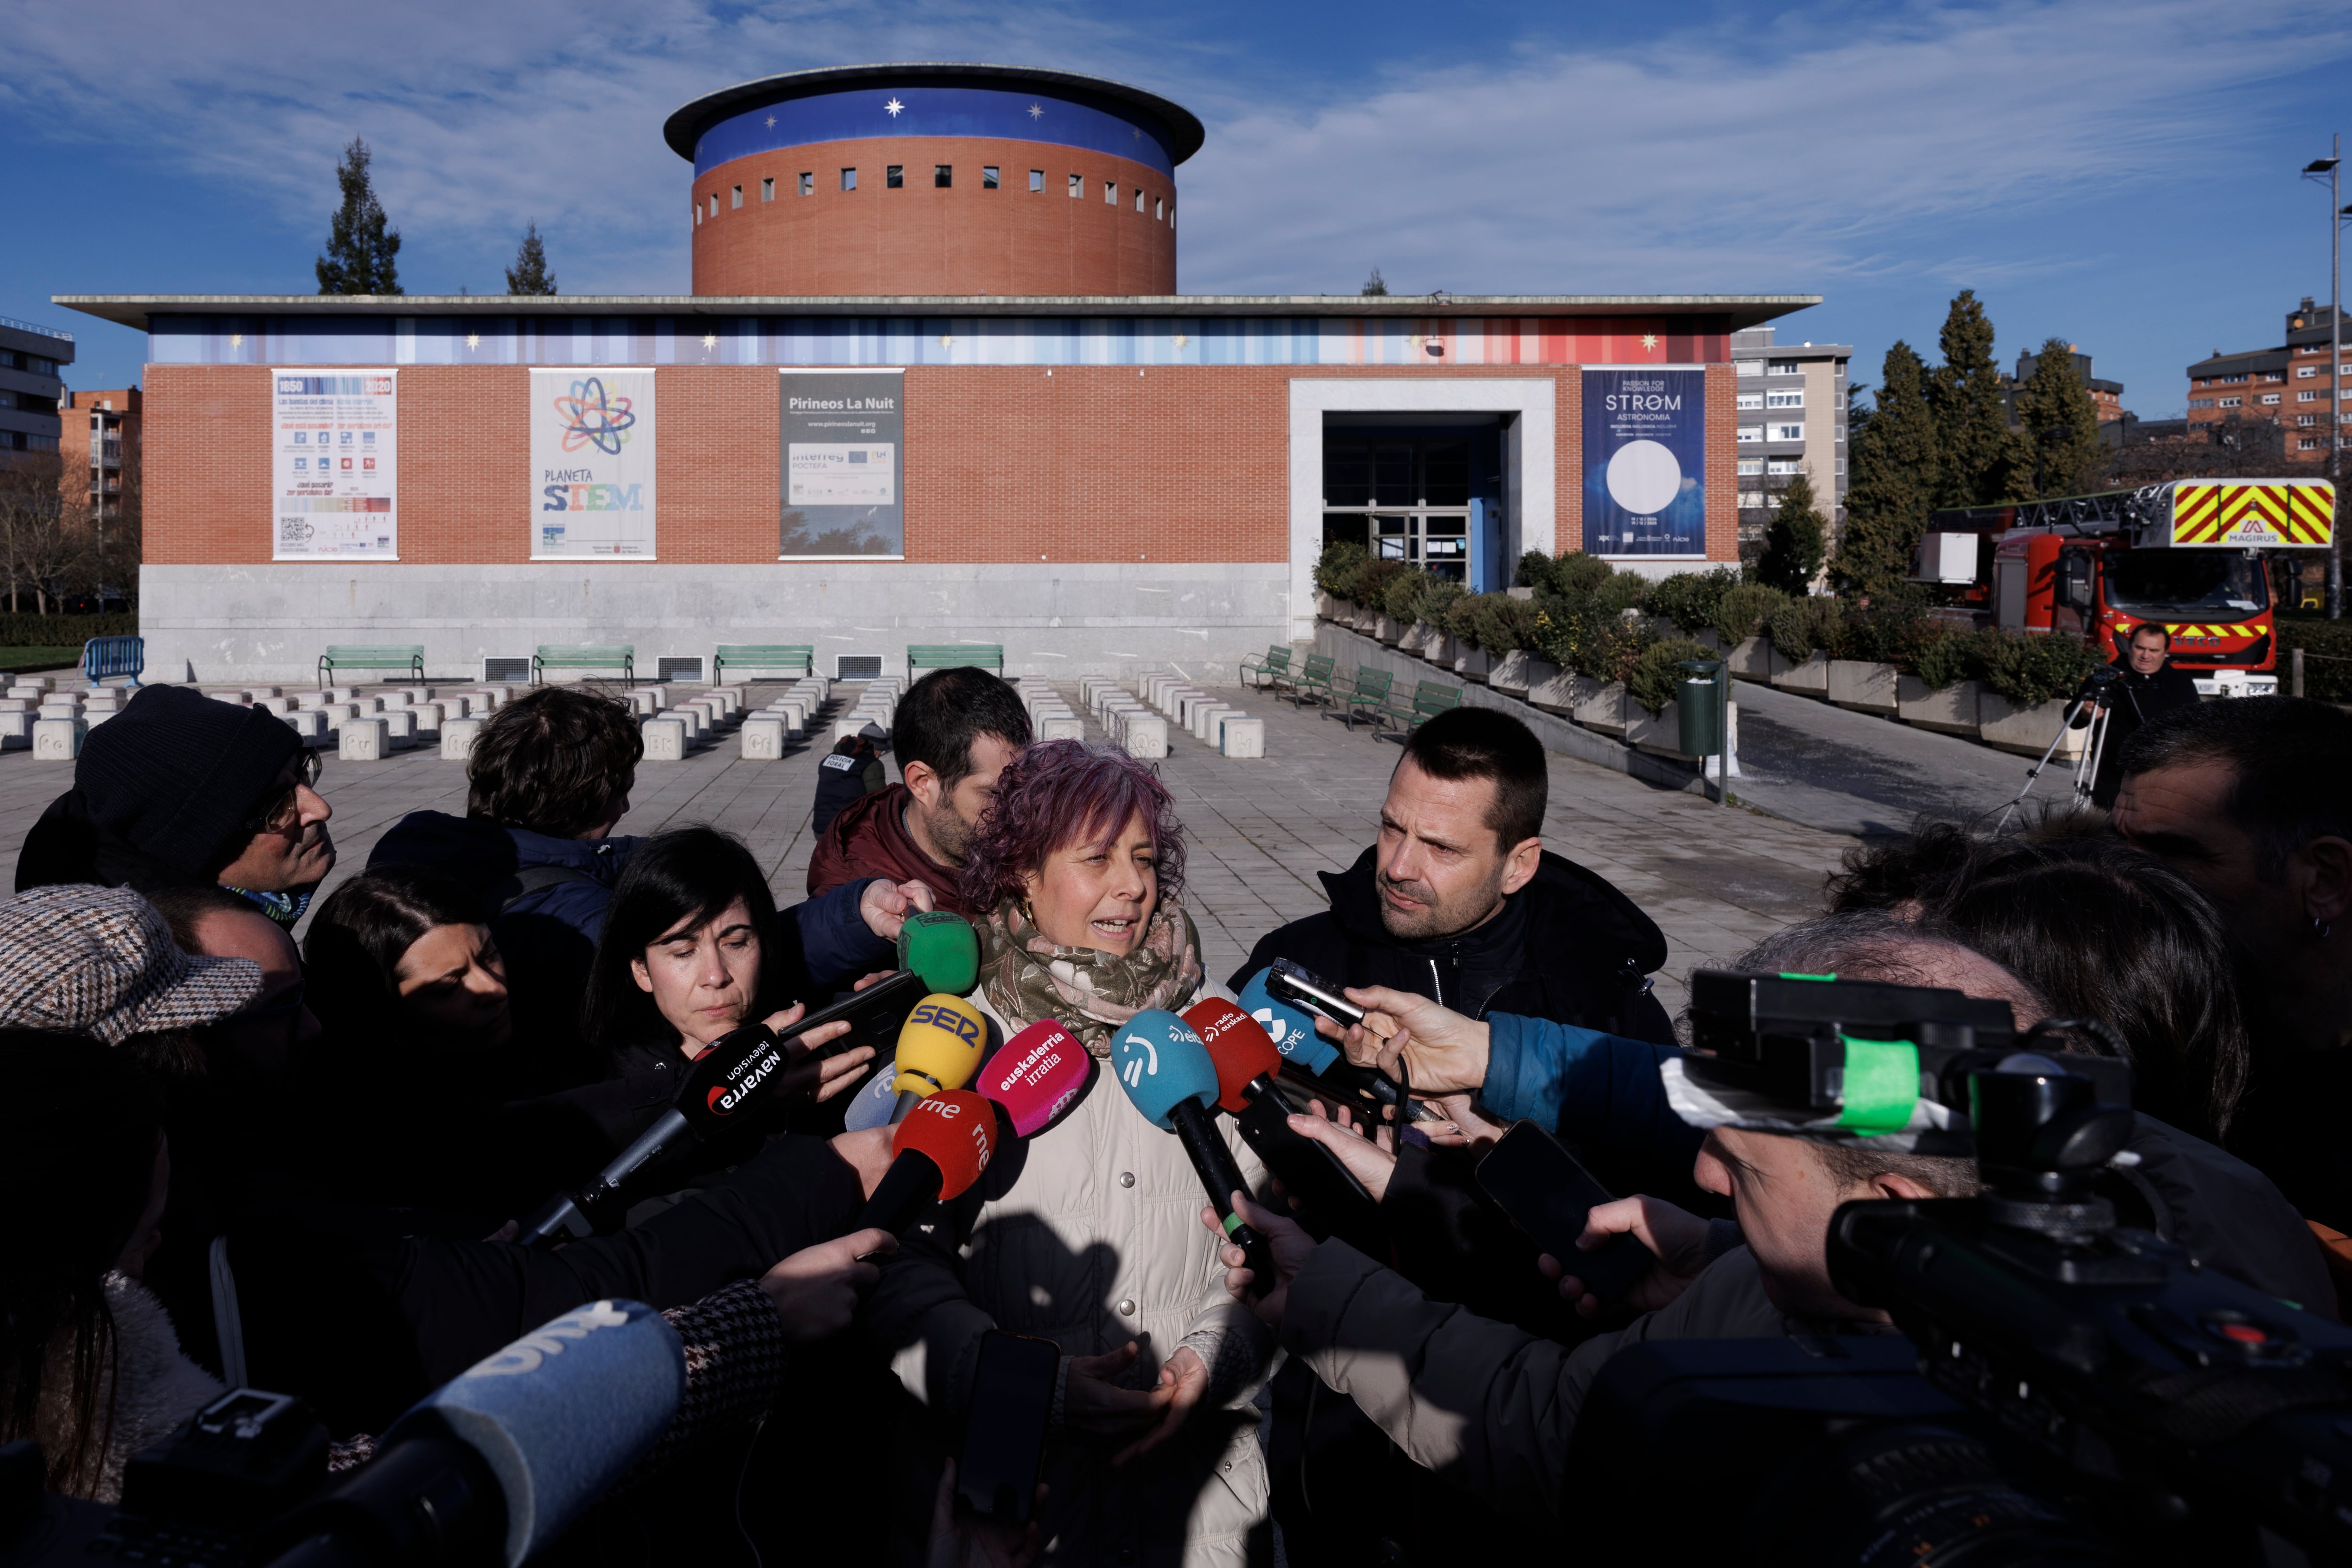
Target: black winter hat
column 176, row 773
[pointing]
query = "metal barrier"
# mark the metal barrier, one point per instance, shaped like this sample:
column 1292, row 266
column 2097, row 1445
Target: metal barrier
column 102, row 657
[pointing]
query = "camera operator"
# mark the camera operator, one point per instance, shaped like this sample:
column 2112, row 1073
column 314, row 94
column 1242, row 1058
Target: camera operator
column 2143, row 684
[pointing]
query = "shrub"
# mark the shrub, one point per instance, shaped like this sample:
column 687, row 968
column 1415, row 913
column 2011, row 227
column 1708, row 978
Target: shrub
column 1439, row 595
column 1534, row 571
column 1800, row 628
column 1402, row 599
column 2327, row 657
column 1500, row 623
column 1948, row 656
column 1624, row 591
column 1576, row 574
column 1369, row 586
column 20, row 630
column 1692, row 599
column 1334, row 569
column 2036, row 667
column 1653, row 680
column 1583, row 636
column 1740, row 613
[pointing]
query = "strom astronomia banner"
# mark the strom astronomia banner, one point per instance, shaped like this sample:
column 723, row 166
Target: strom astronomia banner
column 1645, row 462
column 592, row 465
column 843, row 463
column 334, row 466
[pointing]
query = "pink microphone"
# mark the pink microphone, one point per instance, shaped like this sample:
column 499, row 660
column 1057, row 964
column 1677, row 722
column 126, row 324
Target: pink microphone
column 1038, row 1072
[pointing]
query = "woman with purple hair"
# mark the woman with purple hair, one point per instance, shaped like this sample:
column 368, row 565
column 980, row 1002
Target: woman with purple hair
column 1087, row 1233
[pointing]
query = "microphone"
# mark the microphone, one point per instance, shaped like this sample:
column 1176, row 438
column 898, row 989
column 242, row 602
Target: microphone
column 500, row 1460
column 1247, row 1064
column 1035, row 1074
column 943, row 948
column 939, row 1048
column 718, row 1085
column 1314, row 1061
column 871, row 1106
column 939, row 1151
column 1168, row 1076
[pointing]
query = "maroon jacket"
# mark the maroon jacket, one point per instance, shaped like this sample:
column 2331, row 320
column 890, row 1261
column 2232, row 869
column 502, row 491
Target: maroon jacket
column 869, row 838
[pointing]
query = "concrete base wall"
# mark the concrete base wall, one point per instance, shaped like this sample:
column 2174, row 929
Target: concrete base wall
column 270, row 623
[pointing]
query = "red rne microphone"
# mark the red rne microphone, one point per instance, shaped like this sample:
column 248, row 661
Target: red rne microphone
column 939, row 1151
column 1035, row 1074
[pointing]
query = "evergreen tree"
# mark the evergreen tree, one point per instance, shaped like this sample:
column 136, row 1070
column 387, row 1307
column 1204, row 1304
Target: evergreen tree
column 1978, row 455
column 1375, row 285
column 529, row 274
column 1793, row 540
column 1893, row 480
column 361, row 250
column 2061, row 425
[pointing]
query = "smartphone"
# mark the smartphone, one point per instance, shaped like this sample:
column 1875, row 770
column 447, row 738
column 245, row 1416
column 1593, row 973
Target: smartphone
column 875, row 1015
column 1547, row 1193
column 1004, row 1434
column 1302, row 988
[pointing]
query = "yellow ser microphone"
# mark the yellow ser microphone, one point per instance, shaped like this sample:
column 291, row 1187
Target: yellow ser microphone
column 940, row 1046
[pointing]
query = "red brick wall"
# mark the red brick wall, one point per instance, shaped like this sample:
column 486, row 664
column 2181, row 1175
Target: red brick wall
column 923, row 241
column 1722, row 479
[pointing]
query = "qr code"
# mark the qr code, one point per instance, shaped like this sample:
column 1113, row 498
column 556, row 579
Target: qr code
column 293, row 530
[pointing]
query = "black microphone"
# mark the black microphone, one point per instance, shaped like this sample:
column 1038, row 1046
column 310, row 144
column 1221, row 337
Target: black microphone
column 1167, row 1076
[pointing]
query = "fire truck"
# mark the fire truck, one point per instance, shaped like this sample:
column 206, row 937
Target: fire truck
column 2188, row 555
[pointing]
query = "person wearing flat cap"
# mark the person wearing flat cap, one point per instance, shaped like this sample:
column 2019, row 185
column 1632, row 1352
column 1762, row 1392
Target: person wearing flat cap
column 181, row 790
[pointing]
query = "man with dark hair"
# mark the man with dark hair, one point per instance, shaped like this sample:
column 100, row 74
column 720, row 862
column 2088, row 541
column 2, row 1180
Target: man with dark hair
column 2247, row 799
column 2147, row 686
column 953, row 733
column 1460, row 902
column 179, row 790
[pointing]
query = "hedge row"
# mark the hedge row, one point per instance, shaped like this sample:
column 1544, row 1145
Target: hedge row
column 2327, row 657
column 58, row 631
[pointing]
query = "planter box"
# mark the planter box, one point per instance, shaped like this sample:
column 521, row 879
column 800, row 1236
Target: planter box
column 1440, row 649
column 1605, row 709
column 2024, row 730
column 1810, row 678
column 1752, row 659
column 1951, row 711
column 1388, row 631
column 1473, row 663
column 1661, row 736
column 1329, row 608
column 1863, row 685
column 1416, row 638
column 1517, row 670
column 1558, row 694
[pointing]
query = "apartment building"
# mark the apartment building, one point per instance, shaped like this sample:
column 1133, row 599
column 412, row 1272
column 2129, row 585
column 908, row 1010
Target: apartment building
column 1792, row 420
column 30, row 359
column 2290, row 385
column 2107, row 397
column 99, row 438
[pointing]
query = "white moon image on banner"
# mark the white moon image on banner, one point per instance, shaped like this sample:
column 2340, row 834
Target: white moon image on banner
column 1645, row 478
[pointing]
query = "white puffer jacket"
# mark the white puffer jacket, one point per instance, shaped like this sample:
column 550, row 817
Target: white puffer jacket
column 152, row 1388
column 1089, row 1235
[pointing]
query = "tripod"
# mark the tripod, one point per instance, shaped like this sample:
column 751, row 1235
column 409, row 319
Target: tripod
column 2095, row 694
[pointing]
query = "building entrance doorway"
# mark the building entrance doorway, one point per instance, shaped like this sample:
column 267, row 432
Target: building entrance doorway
column 1425, row 490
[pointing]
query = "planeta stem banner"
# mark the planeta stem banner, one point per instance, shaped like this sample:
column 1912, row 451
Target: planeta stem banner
column 1645, row 462
column 334, row 466
column 844, row 464
column 592, row 465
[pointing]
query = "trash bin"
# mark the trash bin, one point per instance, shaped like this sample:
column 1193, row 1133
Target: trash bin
column 1698, row 704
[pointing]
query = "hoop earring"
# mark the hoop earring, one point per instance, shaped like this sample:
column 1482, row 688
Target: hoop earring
column 2320, row 927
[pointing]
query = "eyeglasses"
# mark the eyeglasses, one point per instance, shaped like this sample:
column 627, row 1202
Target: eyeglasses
column 283, row 810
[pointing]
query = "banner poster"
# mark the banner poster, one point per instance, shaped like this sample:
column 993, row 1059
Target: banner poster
column 1645, row 462
column 844, row 464
column 334, row 466
column 592, row 465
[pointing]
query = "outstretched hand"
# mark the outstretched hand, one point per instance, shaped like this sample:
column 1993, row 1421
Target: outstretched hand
column 1286, row 1243
column 1443, row 1052
column 886, row 907
column 1677, row 1240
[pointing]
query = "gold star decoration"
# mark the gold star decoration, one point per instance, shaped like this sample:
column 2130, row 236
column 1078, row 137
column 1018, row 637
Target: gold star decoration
column 1649, row 341
column 236, row 340
column 710, row 340
column 473, row 340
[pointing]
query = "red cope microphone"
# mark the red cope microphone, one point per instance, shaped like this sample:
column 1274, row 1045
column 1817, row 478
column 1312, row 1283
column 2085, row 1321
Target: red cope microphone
column 1247, row 1067
column 938, row 1152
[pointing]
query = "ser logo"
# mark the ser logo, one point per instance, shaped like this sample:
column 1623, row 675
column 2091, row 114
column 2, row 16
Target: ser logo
column 952, row 1019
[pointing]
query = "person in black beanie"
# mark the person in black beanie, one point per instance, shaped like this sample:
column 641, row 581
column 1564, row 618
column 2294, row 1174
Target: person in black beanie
column 179, row 790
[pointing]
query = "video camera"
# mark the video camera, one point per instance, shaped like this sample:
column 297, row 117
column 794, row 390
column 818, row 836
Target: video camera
column 2067, row 1389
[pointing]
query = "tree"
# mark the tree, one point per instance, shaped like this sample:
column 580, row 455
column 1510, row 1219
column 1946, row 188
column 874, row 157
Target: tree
column 1375, row 284
column 1978, row 455
column 1793, row 540
column 361, row 251
column 45, row 537
column 1893, row 479
column 529, row 274
column 2060, row 424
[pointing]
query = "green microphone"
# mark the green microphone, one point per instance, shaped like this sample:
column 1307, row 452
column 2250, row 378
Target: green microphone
column 941, row 948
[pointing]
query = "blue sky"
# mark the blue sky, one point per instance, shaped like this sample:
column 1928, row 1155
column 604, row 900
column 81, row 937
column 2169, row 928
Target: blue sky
column 2121, row 175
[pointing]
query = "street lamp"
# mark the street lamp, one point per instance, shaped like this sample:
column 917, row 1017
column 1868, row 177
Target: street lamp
column 2329, row 170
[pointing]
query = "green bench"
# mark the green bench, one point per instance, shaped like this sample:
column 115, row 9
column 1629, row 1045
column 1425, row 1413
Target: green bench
column 1273, row 670
column 1429, row 700
column 1368, row 699
column 1314, row 680
column 792, row 658
column 621, row 657
column 408, row 657
column 955, row 655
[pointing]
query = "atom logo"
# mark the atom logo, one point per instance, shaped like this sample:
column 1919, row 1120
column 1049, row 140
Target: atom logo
column 590, row 418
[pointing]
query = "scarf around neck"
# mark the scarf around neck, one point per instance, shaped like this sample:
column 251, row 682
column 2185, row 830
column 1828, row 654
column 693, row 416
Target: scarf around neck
column 1090, row 993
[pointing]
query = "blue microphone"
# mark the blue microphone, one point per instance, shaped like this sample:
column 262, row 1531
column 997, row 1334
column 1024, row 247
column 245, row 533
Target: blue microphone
column 1292, row 1031
column 872, row 1106
column 1170, row 1077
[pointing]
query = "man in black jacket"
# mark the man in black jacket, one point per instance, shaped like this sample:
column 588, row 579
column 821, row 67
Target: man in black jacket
column 2146, row 685
column 1460, row 902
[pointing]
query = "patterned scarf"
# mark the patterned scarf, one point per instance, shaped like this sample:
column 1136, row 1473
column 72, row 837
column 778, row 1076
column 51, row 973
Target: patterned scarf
column 1027, row 978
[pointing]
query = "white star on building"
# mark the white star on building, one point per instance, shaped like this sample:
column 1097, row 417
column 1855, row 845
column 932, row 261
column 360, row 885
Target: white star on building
column 771, row 122
column 1649, row 341
column 1036, row 112
column 892, row 108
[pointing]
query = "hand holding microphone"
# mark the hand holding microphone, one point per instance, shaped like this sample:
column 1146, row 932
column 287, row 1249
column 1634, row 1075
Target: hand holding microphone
column 1167, row 1076
column 937, row 1152
column 1285, row 1007
column 816, row 1290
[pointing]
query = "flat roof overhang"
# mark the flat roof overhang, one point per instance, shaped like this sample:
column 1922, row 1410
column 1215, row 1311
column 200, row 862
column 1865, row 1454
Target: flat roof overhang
column 1734, row 311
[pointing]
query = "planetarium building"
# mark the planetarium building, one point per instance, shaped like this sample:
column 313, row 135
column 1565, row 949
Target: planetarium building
column 935, row 382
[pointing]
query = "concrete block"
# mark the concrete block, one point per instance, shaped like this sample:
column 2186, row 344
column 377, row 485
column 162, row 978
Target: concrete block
column 1509, row 675
column 1863, row 686
column 340, row 693
column 1603, row 707
column 1810, row 678
column 763, row 740
column 2026, row 730
column 234, row 699
column 1206, row 717
column 691, row 718
column 455, row 705
column 19, row 704
column 362, row 741
column 258, row 692
column 665, row 739
column 1072, row 728
column 280, row 706
column 24, row 692
column 337, row 713
column 1951, row 711
column 92, row 718
column 418, row 693
column 58, row 740
column 1555, row 695
column 15, row 730
column 60, row 710
column 644, row 704
column 457, row 738
column 1242, row 737
column 310, row 701
column 1146, row 736
column 308, row 723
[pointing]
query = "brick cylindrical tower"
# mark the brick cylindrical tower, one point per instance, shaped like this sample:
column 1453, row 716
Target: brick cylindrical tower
column 933, row 179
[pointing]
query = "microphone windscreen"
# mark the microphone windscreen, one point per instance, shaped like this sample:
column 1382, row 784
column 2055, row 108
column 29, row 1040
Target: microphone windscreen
column 939, row 1045
column 731, row 1075
column 872, row 1106
column 561, row 1414
column 943, row 948
column 1035, row 1074
column 1240, row 1050
column 1160, row 1063
column 1292, row 1031
column 957, row 1129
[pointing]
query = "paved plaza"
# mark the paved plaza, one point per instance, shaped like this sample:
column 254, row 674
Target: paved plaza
column 1259, row 831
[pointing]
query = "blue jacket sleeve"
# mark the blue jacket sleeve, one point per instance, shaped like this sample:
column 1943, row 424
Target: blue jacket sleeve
column 836, row 941
column 1588, row 1087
